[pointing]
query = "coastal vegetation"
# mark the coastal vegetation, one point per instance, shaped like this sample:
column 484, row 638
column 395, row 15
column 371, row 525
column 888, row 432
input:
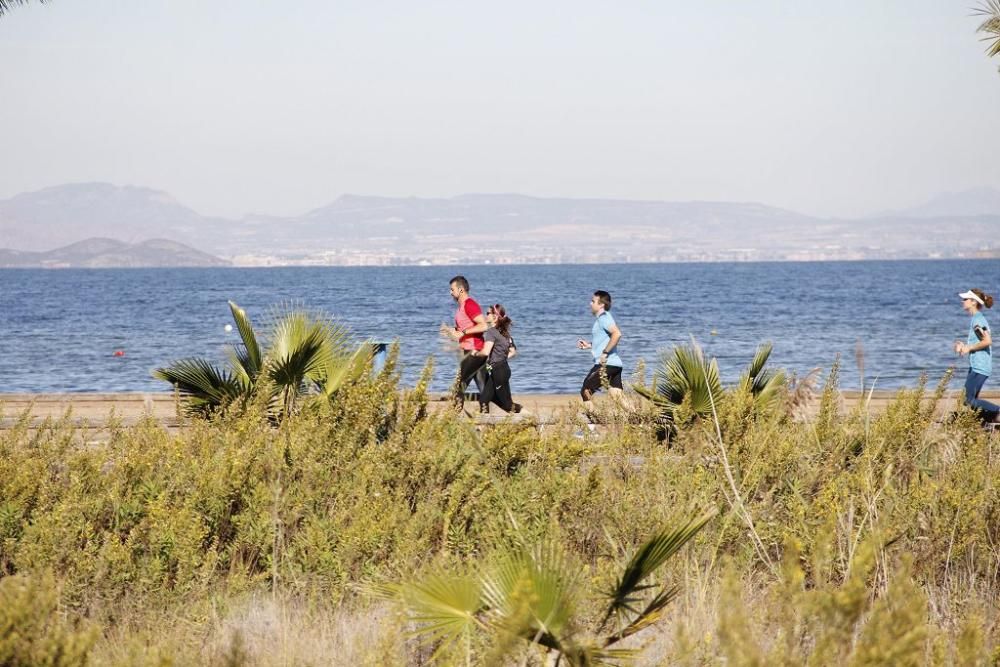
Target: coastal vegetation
column 687, row 385
column 7, row 5
column 303, row 353
column 990, row 27
column 533, row 594
column 842, row 537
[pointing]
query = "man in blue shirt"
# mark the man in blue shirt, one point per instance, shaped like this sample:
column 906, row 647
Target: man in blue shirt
column 604, row 346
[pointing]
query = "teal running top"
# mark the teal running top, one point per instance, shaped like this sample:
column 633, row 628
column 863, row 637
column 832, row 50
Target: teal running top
column 980, row 361
column 601, row 336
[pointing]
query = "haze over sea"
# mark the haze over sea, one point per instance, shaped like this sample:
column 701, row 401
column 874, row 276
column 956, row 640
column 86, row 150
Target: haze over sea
column 60, row 328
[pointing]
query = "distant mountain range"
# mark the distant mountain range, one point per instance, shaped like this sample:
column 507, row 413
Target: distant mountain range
column 975, row 202
column 108, row 253
column 496, row 228
column 65, row 214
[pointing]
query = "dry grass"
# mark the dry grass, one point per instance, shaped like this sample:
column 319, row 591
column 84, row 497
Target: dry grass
column 265, row 630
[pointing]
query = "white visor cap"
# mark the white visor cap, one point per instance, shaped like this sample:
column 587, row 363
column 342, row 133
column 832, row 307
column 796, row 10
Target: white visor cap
column 972, row 295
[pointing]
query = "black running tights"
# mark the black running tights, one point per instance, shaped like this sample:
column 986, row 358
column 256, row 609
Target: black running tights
column 497, row 387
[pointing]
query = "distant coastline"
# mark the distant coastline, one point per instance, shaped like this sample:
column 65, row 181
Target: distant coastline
column 390, row 261
column 487, row 229
column 223, row 263
column 101, row 253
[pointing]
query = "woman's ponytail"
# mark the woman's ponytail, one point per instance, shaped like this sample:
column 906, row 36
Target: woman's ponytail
column 987, row 298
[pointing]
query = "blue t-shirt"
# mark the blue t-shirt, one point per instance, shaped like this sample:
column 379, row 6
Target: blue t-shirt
column 600, row 336
column 980, row 361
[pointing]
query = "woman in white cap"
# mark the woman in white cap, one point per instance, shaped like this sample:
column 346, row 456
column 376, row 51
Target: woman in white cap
column 978, row 347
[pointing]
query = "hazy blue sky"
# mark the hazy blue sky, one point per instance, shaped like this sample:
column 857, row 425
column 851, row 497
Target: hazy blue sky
column 831, row 108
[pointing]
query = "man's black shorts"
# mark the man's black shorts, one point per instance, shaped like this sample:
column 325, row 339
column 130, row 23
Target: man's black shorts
column 593, row 381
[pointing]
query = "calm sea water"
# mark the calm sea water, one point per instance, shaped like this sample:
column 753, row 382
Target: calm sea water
column 59, row 329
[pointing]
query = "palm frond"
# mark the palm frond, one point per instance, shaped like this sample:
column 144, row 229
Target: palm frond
column 990, row 27
column 667, row 384
column 445, row 608
column 597, row 656
column 247, row 362
column 667, row 408
column 239, row 363
column 292, row 365
column 345, row 370
column 7, row 5
column 299, row 350
column 650, row 556
column 290, row 329
column 703, row 388
column 760, row 357
column 306, row 351
column 767, row 389
column 764, row 385
column 651, row 614
column 530, row 595
column 204, row 387
column 287, row 329
column 685, row 373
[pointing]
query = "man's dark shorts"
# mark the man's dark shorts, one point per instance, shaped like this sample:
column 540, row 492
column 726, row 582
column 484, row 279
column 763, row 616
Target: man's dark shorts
column 593, row 382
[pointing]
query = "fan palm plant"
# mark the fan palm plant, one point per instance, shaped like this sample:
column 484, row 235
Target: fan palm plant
column 307, row 354
column 7, row 5
column 990, row 27
column 763, row 384
column 685, row 376
column 533, row 596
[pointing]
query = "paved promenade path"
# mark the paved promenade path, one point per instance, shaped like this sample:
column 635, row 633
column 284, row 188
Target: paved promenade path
column 94, row 409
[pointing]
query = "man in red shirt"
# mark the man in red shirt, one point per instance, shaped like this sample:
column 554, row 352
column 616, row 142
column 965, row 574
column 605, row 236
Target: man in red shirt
column 468, row 331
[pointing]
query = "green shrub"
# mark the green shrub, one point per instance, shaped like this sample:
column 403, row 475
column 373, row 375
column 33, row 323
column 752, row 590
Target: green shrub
column 157, row 534
column 33, row 631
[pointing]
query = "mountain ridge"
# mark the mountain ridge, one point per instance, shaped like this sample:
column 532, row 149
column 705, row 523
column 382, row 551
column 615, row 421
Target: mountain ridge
column 111, row 253
column 964, row 203
column 485, row 227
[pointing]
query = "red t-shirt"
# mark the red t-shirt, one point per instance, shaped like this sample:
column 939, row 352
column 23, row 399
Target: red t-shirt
column 465, row 318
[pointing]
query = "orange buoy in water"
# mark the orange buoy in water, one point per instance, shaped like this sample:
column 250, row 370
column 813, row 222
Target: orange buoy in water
column 119, row 353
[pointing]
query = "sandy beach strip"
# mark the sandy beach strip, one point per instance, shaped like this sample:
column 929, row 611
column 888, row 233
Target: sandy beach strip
column 131, row 407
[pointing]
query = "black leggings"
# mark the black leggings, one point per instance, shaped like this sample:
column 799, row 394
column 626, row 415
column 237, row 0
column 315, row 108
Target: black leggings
column 592, row 383
column 497, row 387
column 469, row 369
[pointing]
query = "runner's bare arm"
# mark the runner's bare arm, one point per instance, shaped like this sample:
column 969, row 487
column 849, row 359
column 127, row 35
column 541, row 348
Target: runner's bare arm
column 983, row 343
column 479, row 325
column 616, row 335
column 450, row 331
